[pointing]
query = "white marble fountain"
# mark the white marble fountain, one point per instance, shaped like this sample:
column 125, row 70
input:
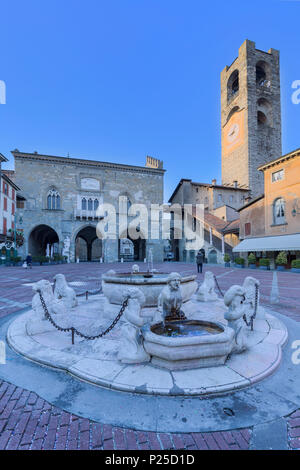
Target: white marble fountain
column 173, row 337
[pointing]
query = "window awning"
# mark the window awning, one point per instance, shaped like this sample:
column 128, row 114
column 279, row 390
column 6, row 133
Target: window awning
column 278, row 243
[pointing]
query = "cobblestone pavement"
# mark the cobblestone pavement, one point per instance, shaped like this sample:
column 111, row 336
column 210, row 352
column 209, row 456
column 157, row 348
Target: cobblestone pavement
column 29, row 422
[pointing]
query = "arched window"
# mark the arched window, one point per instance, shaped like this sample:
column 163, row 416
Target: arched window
column 53, row 200
column 90, row 204
column 279, row 211
column 261, row 118
column 96, row 204
column 83, row 204
column 263, row 74
column 264, row 111
column 233, row 85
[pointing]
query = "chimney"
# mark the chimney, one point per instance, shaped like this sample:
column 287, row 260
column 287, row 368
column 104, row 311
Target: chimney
column 214, row 182
column 235, row 183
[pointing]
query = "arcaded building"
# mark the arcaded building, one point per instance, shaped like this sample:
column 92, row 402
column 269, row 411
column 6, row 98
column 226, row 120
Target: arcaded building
column 61, row 197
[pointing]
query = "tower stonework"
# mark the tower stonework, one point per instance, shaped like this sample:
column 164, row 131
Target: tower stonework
column 250, row 116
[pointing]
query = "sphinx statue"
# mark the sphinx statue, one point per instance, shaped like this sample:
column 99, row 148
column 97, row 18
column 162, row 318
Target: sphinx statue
column 131, row 348
column 64, row 292
column 234, row 299
column 206, row 292
column 170, row 299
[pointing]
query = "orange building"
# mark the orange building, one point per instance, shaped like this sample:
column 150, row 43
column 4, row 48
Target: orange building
column 270, row 223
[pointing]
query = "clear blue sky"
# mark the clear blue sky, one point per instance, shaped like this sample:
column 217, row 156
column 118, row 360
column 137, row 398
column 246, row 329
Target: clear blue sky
column 116, row 80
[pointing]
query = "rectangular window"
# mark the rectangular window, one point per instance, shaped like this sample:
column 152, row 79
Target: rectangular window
column 277, row 176
column 13, row 209
column 13, row 194
column 20, row 204
column 5, row 204
column 4, row 226
column 247, row 229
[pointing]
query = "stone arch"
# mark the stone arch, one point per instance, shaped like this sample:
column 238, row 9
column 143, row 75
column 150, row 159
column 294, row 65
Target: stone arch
column 263, row 74
column 264, row 107
column 88, row 247
column 234, row 110
column 41, row 236
column 233, row 85
column 139, row 248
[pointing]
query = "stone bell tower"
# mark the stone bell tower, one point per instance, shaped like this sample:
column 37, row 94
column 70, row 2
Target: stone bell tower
column 250, row 116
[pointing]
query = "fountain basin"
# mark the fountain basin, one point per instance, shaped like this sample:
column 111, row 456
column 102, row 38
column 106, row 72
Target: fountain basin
column 195, row 344
column 114, row 286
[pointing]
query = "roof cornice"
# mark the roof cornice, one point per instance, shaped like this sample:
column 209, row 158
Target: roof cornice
column 86, row 163
column 288, row 156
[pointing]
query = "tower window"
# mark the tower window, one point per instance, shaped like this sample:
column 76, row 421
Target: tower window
column 261, row 118
column 233, row 85
column 263, row 74
column 264, row 112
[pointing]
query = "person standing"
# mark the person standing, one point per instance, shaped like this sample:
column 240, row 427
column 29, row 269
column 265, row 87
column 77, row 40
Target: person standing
column 199, row 260
column 29, row 261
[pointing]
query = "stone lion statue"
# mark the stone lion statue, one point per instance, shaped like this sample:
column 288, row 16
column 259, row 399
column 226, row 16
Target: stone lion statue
column 131, row 348
column 170, row 299
column 206, row 292
column 64, row 292
column 45, row 288
column 56, row 308
column 234, row 299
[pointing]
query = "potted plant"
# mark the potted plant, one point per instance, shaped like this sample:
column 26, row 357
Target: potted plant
column 296, row 266
column 281, row 261
column 239, row 262
column 252, row 261
column 264, row 263
column 17, row 261
column 227, row 260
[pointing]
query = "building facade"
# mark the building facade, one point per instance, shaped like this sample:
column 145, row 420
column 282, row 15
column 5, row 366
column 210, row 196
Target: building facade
column 250, row 116
column 8, row 196
column 271, row 222
column 59, row 199
column 212, row 196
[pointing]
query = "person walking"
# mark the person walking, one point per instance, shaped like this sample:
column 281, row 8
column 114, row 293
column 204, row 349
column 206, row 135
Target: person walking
column 29, row 261
column 199, row 260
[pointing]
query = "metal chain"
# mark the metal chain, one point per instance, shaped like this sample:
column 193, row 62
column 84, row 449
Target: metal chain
column 218, row 287
column 252, row 317
column 78, row 333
